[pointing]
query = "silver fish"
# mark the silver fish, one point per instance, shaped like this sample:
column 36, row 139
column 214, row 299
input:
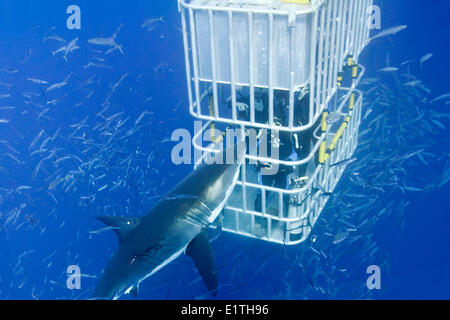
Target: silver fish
column 389, row 32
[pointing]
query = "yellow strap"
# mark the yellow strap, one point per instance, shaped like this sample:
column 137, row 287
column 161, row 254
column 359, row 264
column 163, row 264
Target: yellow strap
column 322, row 153
column 324, row 121
column 323, row 147
column 352, row 101
column 339, row 134
column 340, row 77
column 355, row 71
column 350, row 61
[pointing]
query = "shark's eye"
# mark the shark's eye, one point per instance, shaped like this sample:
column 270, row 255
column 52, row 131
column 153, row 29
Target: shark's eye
column 132, row 221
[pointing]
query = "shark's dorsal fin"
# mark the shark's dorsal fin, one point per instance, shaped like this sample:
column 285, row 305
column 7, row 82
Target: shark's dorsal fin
column 122, row 225
column 200, row 251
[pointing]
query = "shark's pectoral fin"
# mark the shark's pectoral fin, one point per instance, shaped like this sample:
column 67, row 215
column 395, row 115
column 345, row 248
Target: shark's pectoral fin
column 123, row 225
column 200, row 251
column 133, row 291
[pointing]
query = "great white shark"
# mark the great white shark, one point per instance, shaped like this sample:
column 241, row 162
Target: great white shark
column 177, row 224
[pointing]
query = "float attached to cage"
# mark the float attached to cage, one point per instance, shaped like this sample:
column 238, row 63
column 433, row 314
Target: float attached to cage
column 288, row 70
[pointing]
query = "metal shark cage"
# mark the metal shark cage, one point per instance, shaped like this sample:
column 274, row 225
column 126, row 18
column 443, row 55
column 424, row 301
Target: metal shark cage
column 263, row 50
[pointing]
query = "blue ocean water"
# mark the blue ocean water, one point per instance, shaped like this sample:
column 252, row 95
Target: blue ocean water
column 48, row 207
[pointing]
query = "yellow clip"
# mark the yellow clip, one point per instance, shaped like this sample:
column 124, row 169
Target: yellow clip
column 352, row 101
column 324, row 121
column 355, row 71
column 339, row 79
column 339, row 134
column 350, row 61
column 322, row 153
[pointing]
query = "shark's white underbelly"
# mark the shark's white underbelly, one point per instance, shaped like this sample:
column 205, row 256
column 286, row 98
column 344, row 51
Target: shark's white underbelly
column 211, row 218
column 166, row 262
column 215, row 213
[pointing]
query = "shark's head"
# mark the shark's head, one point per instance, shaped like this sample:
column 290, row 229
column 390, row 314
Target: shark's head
column 118, row 275
column 111, row 285
column 213, row 183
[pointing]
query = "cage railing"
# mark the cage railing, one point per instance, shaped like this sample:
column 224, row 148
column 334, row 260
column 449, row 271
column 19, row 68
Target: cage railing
column 333, row 38
column 345, row 101
column 306, row 213
column 355, row 114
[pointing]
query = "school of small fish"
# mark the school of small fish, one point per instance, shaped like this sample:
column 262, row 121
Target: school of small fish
column 76, row 146
column 69, row 144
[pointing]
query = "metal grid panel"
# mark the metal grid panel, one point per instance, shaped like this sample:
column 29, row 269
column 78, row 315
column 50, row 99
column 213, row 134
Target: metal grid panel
column 278, row 225
column 317, row 39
